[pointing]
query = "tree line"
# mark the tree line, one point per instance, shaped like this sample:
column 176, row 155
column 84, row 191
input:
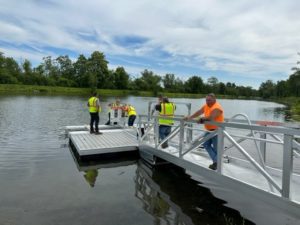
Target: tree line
column 93, row 72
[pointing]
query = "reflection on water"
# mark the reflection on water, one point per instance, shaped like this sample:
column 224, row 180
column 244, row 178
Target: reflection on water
column 172, row 197
column 166, row 192
column 91, row 176
column 279, row 112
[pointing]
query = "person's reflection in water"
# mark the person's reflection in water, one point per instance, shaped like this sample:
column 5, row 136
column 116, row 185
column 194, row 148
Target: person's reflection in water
column 91, row 176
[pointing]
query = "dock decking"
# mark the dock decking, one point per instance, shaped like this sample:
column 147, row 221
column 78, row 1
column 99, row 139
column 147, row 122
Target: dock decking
column 110, row 141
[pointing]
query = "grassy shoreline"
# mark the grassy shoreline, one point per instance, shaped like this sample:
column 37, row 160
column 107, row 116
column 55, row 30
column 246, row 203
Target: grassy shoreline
column 293, row 103
column 51, row 90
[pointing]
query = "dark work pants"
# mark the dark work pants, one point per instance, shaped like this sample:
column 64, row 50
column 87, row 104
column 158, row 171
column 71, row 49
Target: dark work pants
column 94, row 120
column 131, row 120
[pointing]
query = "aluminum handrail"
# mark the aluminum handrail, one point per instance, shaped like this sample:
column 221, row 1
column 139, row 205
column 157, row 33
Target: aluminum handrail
column 288, row 143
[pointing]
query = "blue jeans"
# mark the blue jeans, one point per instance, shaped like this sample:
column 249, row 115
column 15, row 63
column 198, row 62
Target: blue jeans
column 211, row 147
column 164, row 131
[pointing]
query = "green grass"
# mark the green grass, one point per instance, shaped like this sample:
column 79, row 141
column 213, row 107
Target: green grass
column 34, row 89
column 49, row 90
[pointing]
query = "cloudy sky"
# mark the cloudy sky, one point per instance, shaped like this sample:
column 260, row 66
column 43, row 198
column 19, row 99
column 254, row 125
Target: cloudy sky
column 245, row 42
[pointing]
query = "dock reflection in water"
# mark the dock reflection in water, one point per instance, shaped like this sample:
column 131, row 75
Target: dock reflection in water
column 167, row 193
column 172, row 197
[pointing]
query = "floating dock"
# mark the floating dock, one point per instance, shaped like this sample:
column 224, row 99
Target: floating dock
column 112, row 140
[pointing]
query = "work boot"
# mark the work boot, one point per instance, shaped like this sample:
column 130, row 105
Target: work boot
column 213, row 166
column 164, row 145
column 91, row 131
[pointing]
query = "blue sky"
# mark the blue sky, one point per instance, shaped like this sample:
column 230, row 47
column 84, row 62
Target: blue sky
column 245, row 42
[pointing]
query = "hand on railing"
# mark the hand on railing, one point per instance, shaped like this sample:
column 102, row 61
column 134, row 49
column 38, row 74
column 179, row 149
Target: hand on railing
column 201, row 120
column 186, row 118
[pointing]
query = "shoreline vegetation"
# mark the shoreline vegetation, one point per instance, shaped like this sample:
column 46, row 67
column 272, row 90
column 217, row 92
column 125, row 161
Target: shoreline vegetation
column 293, row 103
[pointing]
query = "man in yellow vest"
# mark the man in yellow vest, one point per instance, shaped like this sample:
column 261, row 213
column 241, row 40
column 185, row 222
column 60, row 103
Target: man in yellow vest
column 166, row 109
column 94, row 109
column 131, row 113
column 212, row 111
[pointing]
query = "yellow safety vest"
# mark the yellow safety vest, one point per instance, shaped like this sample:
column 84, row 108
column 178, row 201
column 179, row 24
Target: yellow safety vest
column 93, row 105
column 131, row 111
column 167, row 110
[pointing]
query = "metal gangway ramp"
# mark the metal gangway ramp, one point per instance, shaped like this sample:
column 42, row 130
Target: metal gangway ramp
column 258, row 158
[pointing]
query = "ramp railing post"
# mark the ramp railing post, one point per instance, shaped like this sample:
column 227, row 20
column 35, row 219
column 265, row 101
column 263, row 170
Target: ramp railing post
column 139, row 129
column 189, row 136
column 262, row 146
column 220, row 149
column 181, row 137
column 156, row 132
column 287, row 167
column 149, row 111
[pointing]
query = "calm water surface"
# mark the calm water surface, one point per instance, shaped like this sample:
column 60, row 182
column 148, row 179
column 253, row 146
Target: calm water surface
column 42, row 184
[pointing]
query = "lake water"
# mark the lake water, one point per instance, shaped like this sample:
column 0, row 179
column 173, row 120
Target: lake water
column 41, row 183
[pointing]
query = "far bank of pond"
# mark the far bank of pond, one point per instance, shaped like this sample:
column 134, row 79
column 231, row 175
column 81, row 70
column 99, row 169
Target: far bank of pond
column 293, row 103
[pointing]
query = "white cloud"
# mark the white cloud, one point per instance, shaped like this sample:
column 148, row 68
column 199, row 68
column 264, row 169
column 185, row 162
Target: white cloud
column 241, row 38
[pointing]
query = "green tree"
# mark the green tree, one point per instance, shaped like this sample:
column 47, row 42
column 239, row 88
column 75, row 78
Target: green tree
column 120, row 78
column 281, row 89
column 81, row 71
column 65, row 67
column 179, row 86
column 169, row 81
column 50, row 70
column 27, row 72
column 9, row 70
column 267, row 89
column 231, row 89
column 212, row 84
column 98, row 66
column 148, row 82
column 293, row 84
column 222, row 88
column 246, row 91
column 194, row 85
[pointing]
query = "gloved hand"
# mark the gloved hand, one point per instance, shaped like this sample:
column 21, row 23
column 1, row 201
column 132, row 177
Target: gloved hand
column 201, row 120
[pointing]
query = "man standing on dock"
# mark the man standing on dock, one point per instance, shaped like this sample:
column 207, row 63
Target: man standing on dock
column 166, row 109
column 94, row 109
column 212, row 111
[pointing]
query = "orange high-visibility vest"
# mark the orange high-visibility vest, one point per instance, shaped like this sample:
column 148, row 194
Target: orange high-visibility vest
column 208, row 111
